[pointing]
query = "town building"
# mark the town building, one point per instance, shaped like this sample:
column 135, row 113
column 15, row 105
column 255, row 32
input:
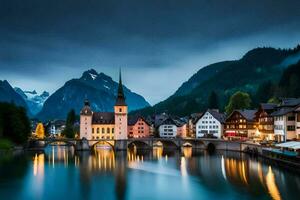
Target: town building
column 171, row 127
column 105, row 125
column 287, row 120
column 191, row 124
column 240, row 124
column 210, row 124
column 138, row 127
column 265, row 121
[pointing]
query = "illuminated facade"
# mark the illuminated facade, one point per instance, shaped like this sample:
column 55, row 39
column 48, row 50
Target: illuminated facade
column 105, row 125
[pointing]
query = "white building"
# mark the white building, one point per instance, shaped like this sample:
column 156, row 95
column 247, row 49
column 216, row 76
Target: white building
column 210, row 124
column 170, row 128
column 287, row 120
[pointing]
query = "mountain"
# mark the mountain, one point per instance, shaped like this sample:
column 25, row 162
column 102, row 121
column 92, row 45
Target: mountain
column 8, row 94
column 99, row 88
column 256, row 67
column 202, row 75
column 33, row 100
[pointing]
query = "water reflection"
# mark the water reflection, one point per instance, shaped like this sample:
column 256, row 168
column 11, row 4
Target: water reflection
column 185, row 174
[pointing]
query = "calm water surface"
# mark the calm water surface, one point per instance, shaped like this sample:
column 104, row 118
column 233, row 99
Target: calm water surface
column 61, row 173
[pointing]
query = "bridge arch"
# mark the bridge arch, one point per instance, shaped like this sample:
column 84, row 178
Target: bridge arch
column 168, row 143
column 60, row 143
column 211, row 147
column 140, row 144
column 93, row 144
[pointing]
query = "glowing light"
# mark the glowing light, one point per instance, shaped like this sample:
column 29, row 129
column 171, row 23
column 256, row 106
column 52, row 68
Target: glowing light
column 271, row 185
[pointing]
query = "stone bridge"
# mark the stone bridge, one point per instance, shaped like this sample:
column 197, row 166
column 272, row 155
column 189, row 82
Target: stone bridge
column 146, row 143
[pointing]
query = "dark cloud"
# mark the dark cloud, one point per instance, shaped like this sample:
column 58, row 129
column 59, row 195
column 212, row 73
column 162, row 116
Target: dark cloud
column 155, row 36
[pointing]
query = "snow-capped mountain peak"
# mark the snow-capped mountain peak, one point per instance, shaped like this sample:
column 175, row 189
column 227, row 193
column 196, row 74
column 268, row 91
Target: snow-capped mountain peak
column 33, row 100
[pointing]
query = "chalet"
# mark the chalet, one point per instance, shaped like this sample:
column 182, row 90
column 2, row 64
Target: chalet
column 265, row 121
column 138, row 127
column 210, row 124
column 287, row 120
column 240, row 124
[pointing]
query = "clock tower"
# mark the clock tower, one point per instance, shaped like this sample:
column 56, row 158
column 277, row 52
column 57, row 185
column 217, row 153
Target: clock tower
column 120, row 109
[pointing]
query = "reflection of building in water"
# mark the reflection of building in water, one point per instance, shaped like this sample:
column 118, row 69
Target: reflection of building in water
column 102, row 160
column 59, row 154
column 39, row 173
column 120, row 174
column 187, row 152
column 157, row 152
column 38, row 165
column 253, row 175
column 271, row 184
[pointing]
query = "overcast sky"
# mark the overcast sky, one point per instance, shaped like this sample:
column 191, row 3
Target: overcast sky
column 158, row 43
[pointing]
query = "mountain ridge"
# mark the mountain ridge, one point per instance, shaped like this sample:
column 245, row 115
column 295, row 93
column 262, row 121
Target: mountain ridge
column 99, row 88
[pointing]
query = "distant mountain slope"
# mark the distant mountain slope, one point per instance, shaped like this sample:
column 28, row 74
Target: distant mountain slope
column 8, row 94
column 254, row 68
column 99, row 88
column 33, row 100
column 202, row 75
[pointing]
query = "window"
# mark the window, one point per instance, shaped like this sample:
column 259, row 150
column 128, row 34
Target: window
column 97, row 130
column 92, row 130
column 120, row 109
column 291, row 128
column 103, row 130
column 291, row 118
column 112, row 130
column 108, row 130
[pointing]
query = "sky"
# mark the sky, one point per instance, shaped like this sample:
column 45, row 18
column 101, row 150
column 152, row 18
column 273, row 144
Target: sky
column 159, row 44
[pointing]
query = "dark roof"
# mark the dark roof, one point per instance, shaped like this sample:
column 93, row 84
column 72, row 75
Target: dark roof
column 172, row 120
column 132, row 120
column 289, row 102
column 248, row 114
column 216, row 114
column 103, row 118
column 120, row 96
column 286, row 106
column 195, row 117
column 268, row 106
column 282, row 111
column 158, row 119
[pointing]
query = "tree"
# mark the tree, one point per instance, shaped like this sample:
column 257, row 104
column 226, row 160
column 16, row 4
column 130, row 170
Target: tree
column 69, row 130
column 213, row 102
column 239, row 100
column 274, row 100
column 14, row 123
column 40, row 131
column 265, row 91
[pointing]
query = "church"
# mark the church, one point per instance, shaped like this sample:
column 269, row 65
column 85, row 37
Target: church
column 105, row 125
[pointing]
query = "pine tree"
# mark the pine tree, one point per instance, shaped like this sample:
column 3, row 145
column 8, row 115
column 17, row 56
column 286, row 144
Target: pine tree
column 69, row 130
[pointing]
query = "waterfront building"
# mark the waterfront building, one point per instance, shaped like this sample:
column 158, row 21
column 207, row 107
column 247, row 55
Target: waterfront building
column 172, row 127
column 265, row 121
column 210, row 124
column 191, row 124
column 240, row 124
column 138, row 127
column 105, row 125
column 287, row 120
column 55, row 127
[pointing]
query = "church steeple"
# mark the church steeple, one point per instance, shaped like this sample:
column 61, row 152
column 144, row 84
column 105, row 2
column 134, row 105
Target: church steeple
column 120, row 96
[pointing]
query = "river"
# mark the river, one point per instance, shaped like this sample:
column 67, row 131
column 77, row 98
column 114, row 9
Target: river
column 61, row 173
